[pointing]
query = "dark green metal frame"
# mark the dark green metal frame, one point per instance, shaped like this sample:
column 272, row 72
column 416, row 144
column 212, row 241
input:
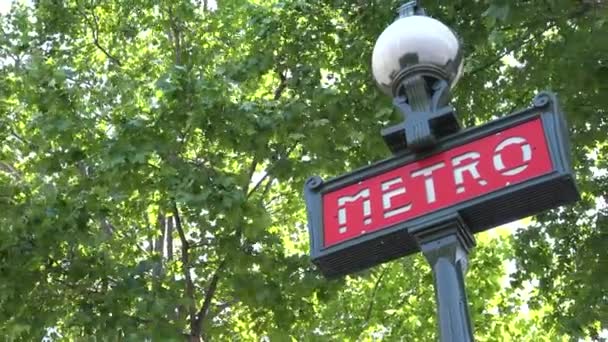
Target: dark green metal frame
column 520, row 200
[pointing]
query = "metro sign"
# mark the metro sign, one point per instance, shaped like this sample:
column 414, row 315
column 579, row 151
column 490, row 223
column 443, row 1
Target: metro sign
column 510, row 168
column 412, row 190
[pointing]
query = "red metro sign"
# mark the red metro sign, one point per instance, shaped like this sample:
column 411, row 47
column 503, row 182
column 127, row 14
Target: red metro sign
column 510, row 168
column 505, row 158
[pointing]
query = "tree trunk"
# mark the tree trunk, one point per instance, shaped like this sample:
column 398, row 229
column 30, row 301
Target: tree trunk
column 159, row 245
column 169, row 236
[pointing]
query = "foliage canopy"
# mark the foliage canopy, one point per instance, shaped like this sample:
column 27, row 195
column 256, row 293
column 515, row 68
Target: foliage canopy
column 153, row 155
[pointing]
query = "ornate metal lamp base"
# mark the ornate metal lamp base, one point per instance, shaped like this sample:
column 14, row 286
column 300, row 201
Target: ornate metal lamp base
column 446, row 247
column 422, row 97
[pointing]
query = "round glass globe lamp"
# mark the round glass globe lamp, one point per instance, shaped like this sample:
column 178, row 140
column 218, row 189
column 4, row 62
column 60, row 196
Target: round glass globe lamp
column 419, row 42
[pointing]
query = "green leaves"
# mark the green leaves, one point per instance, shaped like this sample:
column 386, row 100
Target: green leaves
column 150, row 152
column 496, row 12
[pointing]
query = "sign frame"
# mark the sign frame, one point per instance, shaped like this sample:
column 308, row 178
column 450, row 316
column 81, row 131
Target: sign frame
column 515, row 201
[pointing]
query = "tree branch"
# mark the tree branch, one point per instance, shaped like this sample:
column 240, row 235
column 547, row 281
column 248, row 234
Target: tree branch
column 204, row 311
column 254, row 165
column 22, row 139
column 520, row 42
column 282, row 85
column 370, row 306
column 271, row 201
column 175, row 38
column 267, row 187
column 224, row 306
column 286, row 153
column 185, row 259
column 169, row 236
column 277, row 94
column 94, row 26
column 159, row 244
column 257, row 185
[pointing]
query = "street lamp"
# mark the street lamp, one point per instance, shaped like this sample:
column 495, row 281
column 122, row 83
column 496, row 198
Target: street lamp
column 443, row 184
column 417, row 60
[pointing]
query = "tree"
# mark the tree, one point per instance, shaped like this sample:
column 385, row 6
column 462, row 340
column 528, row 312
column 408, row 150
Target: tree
column 154, row 153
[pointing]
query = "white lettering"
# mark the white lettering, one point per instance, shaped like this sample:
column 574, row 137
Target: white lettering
column 367, row 209
column 471, row 168
column 429, row 185
column 387, row 196
column 526, row 153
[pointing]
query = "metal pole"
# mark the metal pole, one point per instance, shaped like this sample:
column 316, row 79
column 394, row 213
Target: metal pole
column 446, row 248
